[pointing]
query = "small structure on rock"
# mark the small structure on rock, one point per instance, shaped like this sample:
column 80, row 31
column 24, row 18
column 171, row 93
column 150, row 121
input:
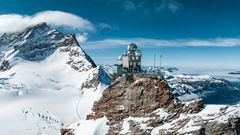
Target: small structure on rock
column 129, row 64
column 130, row 61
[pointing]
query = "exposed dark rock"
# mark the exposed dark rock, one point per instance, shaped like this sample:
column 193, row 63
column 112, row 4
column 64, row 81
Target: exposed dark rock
column 223, row 109
column 132, row 97
column 124, row 97
column 4, row 66
column 139, row 97
column 40, row 41
column 194, row 107
column 215, row 128
column 66, row 131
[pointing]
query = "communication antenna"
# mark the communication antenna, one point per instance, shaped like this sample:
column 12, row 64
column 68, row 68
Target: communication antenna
column 161, row 56
column 154, row 62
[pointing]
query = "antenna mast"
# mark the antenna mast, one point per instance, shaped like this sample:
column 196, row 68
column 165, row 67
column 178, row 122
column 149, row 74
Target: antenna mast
column 160, row 61
column 154, row 62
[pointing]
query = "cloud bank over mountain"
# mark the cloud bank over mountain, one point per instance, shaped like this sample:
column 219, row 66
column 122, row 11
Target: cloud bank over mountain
column 17, row 22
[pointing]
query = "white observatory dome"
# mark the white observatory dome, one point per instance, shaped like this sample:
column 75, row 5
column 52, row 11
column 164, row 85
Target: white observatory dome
column 120, row 57
column 132, row 47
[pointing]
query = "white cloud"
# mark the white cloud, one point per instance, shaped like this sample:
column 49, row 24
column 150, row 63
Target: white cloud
column 81, row 37
column 170, row 5
column 150, row 43
column 149, row 7
column 173, row 7
column 104, row 26
column 129, row 5
column 16, row 22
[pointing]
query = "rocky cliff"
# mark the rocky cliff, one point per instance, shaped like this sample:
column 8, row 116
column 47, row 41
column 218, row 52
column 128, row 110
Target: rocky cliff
column 140, row 105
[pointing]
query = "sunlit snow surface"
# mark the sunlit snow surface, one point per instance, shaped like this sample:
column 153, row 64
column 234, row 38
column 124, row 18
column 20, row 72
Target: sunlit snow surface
column 90, row 127
column 39, row 97
column 210, row 113
column 41, row 93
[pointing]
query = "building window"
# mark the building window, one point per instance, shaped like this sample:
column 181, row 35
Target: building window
column 136, row 58
column 133, row 58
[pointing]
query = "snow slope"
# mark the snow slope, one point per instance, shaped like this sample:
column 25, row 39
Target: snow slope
column 42, row 85
column 90, row 127
column 130, row 108
column 213, row 86
column 212, row 90
column 210, row 114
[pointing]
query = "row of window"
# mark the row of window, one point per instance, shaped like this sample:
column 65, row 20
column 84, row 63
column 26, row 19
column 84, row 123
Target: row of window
column 135, row 58
column 134, row 63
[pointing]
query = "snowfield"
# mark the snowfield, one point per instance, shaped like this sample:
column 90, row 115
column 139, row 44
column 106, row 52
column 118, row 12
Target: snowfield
column 47, row 86
column 210, row 113
column 41, row 90
column 90, row 127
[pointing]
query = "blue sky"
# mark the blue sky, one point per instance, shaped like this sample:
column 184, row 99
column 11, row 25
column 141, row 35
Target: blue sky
column 193, row 33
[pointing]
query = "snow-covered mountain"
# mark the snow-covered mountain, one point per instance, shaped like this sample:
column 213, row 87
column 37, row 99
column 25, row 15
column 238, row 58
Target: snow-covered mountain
column 47, row 81
column 210, row 89
column 136, row 105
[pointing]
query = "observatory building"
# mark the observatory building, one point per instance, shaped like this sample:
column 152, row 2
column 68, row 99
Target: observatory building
column 130, row 61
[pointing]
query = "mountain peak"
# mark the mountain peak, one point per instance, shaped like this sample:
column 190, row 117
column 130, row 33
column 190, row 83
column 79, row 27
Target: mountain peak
column 40, row 25
column 40, row 41
column 41, row 65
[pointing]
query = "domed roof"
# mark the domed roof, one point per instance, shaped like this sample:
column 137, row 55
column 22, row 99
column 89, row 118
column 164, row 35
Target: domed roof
column 132, row 47
column 138, row 53
column 120, row 57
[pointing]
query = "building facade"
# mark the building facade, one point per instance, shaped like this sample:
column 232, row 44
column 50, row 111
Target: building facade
column 130, row 61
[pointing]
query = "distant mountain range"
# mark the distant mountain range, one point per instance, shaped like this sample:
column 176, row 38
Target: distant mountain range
column 188, row 86
column 235, row 73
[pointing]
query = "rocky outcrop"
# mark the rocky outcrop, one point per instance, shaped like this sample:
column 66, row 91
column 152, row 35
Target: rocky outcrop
column 194, row 107
column 66, row 131
column 139, row 97
column 144, row 105
column 127, row 96
column 97, row 76
column 76, row 54
column 4, row 65
column 232, row 127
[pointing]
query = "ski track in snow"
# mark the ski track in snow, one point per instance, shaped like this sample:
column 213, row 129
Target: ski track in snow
column 46, row 86
column 77, row 106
